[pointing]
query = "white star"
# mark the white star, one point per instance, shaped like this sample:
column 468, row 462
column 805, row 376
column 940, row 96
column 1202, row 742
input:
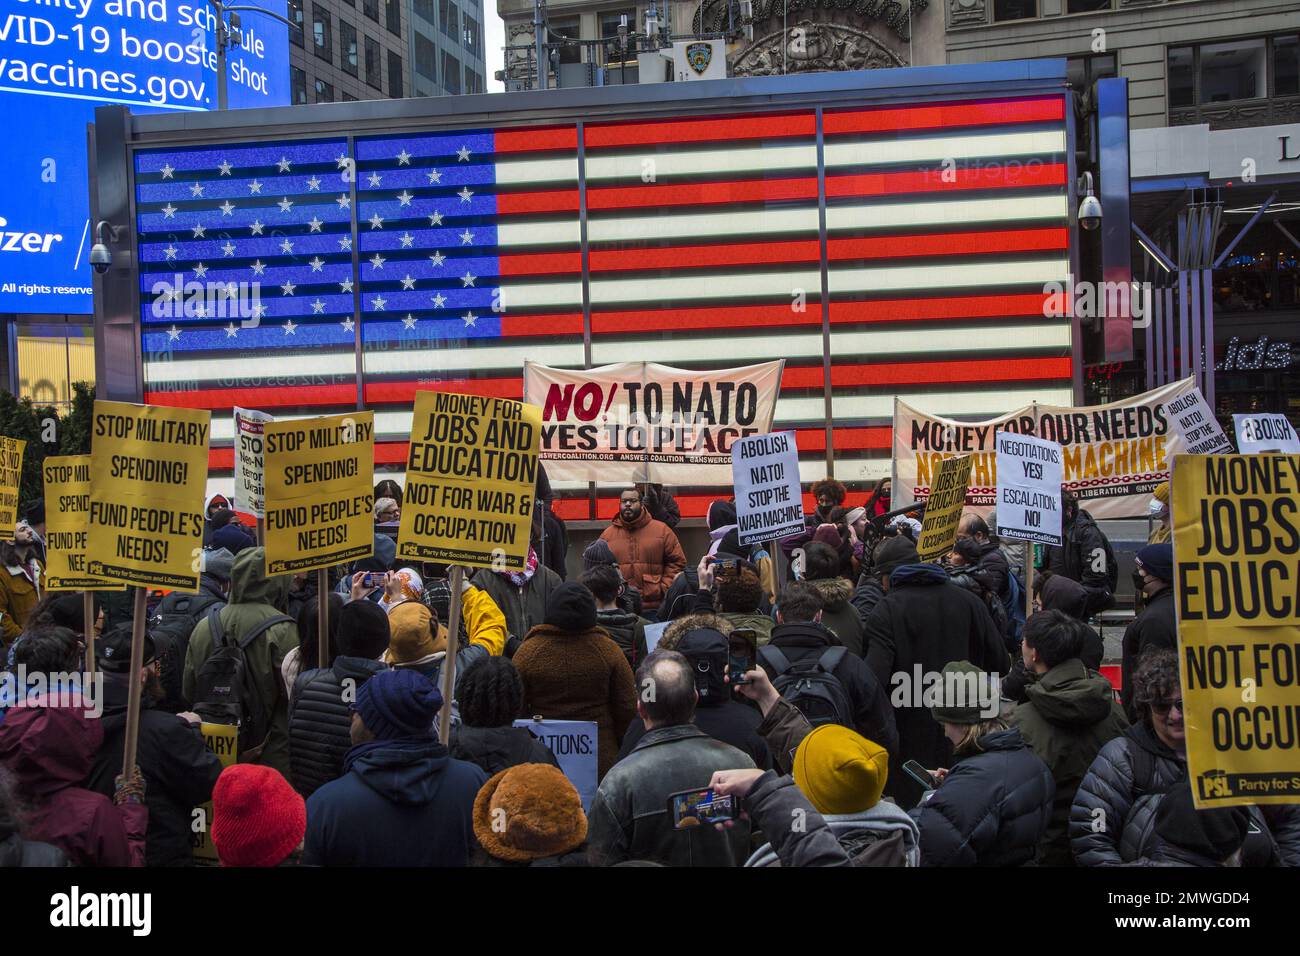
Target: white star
column 437, row 258
column 345, row 285
column 434, row 176
column 315, row 224
column 467, row 279
column 344, row 201
column 376, row 221
column 348, row 324
column 317, row 307
column 466, row 238
column 259, row 310
column 290, row 328
column 254, row 187
column 464, row 193
column 201, row 311
column 378, row 303
column 345, row 243
column 286, row 246
column 227, row 208
column 435, row 218
column 200, row 231
column 256, row 227
column 173, row 334
column 165, row 295
column 316, row 263
column 374, row 179
column 409, row 321
column 196, row 189
column 168, row 211
column 288, row 288
column 201, row 270
column 438, row 300
column 283, row 164
column 470, row 319
column 462, row 154
column 408, row 283
column 378, row 261
column 406, row 239
column 257, row 266
column 225, row 168
column 167, row 171
column 313, row 184
column 232, row 330
column 228, row 249
column 170, row 252
column 285, row 204
column 405, row 197
column 342, row 161
column 403, row 158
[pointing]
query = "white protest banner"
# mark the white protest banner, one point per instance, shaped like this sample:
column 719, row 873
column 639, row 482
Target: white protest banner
column 250, row 461
column 575, row 746
column 1265, row 431
column 1195, row 422
column 1029, row 488
column 639, row 421
column 1114, row 455
column 653, row 634
column 765, row 473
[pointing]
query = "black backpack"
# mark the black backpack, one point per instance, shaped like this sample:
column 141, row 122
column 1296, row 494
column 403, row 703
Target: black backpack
column 224, row 691
column 811, row 685
column 170, row 631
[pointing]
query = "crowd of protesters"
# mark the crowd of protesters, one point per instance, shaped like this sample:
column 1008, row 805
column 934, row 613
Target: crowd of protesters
column 873, row 710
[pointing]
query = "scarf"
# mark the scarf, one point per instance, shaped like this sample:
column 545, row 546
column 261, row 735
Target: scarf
column 520, row 578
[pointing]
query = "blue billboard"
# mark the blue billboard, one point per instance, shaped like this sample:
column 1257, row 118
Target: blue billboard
column 59, row 60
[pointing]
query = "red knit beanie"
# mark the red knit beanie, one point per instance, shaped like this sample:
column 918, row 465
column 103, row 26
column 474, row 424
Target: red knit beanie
column 257, row 818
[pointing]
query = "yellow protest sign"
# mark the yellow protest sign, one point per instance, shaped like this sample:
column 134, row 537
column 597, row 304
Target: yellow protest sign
column 1237, row 587
column 319, row 484
column 222, row 740
column 470, row 474
column 11, row 479
column 67, row 505
column 944, row 507
column 148, row 476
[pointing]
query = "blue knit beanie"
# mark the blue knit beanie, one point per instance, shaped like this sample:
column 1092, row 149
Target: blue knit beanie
column 398, row 703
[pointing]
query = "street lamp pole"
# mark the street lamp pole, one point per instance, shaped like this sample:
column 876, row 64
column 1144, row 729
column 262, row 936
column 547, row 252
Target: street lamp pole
column 228, row 36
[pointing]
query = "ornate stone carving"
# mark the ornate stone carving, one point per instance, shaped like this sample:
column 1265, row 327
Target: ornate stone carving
column 809, row 47
column 518, row 66
column 962, row 12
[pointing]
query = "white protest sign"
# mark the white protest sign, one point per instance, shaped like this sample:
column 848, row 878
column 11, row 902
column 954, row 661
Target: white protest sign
column 574, row 744
column 765, row 473
column 654, row 634
column 1029, row 488
column 1191, row 417
column 1265, row 431
column 250, row 458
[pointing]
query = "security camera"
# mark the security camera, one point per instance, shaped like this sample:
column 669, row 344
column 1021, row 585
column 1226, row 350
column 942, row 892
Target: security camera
column 101, row 259
column 1090, row 213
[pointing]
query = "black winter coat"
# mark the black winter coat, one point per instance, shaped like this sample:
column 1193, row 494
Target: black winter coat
column 731, row 722
column 179, row 772
column 924, row 622
column 494, row 749
column 866, row 596
column 320, row 721
column 873, row 715
column 628, row 632
column 171, row 625
column 991, row 810
column 1155, row 628
column 1078, row 555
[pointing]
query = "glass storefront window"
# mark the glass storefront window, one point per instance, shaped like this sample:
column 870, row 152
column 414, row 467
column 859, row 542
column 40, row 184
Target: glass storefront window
column 50, row 359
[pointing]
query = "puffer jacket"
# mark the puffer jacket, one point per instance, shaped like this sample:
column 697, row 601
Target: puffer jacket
column 1112, row 818
column 320, row 721
column 1069, row 716
column 524, row 606
column 992, row 808
column 493, row 749
column 254, row 598
column 1078, row 555
column 628, row 632
column 838, row 615
column 649, row 555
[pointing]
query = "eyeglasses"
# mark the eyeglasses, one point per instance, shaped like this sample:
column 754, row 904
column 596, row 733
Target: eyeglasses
column 1165, row 706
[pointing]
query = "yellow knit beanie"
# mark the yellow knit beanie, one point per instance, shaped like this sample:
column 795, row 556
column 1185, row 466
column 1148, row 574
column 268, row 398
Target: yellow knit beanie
column 840, row 771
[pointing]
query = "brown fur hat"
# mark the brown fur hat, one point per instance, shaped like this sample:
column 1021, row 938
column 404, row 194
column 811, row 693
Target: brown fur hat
column 536, row 811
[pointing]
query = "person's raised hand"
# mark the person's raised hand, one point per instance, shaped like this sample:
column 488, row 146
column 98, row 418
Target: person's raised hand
column 757, row 687
column 705, row 571
column 359, row 589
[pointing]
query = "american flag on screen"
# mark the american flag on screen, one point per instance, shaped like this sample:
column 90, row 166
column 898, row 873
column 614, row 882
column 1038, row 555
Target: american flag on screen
column 943, row 223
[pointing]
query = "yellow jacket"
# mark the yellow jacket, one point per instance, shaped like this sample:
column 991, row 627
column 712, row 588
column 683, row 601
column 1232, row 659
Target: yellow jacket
column 484, row 622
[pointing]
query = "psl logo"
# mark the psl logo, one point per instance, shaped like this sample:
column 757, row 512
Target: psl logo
column 699, row 56
column 1214, row 784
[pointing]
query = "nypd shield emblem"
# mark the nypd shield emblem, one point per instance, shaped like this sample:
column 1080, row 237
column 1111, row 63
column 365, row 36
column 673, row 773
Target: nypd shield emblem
column 699, row 56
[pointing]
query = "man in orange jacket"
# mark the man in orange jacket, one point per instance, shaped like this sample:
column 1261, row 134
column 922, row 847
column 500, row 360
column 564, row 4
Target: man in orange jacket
column 648, row 552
